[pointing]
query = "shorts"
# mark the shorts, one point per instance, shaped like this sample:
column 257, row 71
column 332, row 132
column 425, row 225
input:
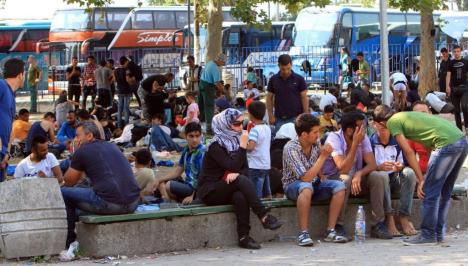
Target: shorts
column 323, row 191
column 399, row 87
column 180, row 189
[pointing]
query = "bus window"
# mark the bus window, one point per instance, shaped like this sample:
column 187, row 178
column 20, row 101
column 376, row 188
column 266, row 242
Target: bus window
column 115, row 19
column 181, row 17
column 7, row 38
column 142, row 21
column 366, row 26
column 234, row 38
column 164, row 20
column 100, row 22
column 37, row 35
column 77, row 19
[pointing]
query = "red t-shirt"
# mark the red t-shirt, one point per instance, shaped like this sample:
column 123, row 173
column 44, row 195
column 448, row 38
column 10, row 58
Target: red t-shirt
column 423, row 154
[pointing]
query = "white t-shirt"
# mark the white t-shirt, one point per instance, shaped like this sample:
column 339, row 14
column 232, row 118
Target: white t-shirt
column 247, row 93
column 28, row 169
column 398, row 77
column 327, row 99
column 435, row 102
column 259, row 158
column 286, row 131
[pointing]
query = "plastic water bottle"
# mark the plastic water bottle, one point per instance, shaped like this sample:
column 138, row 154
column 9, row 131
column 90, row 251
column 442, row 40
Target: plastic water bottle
column 360, row 230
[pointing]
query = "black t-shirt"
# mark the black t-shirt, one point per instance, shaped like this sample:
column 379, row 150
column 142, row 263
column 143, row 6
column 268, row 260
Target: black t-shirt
column 74, row 79
column 147, row 84
column 458, row 70
column 155, row 102
column 120, row 78
column 109, row 171
column 135, row 71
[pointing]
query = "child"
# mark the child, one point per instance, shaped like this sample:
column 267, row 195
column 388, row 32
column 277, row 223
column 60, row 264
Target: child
column 221, row 101
column 144, row 175
column 249, row 89
column 192, row 109
column 258, row 148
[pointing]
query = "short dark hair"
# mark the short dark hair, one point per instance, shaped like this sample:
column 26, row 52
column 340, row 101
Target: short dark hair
column 284, row 60
column 190, row 57
column 351, row 85
column 91, row 57
column 143, row 156
column 83, row 114
column 257, row 109
column 48, row 114
column 74, row 57
column 329, row 109
column 332, row 90
column 169, row 74
column 12, row 68
column 72, row 112
column 102, row 63
column 349, row 109
column 419, row 102
column 305, row 123
column 444, row 50
column 190, row 94
column 382, row 113
column 123, row 60
column 456, row 47
column 110, row 61
column 39, row 139
column 192, row 127
column 23, row 111
column 365, row 84
column 158, row 116
column 349, row 120
column 360, row 54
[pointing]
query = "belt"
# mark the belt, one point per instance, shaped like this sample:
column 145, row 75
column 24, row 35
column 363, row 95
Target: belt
column 399, row 82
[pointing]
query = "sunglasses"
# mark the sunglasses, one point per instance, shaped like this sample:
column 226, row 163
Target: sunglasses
column 237, row 123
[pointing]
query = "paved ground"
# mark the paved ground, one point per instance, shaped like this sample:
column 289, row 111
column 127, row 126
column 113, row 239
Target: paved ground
column 372, row 252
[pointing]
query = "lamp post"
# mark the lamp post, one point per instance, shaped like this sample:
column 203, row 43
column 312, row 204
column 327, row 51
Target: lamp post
column 384, row 62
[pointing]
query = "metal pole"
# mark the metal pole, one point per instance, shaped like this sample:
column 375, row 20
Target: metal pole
column 384, row 67
column 189, row 29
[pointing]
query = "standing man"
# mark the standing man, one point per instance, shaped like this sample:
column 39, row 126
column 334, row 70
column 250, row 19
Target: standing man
column 156, row 83
column 104, row 77
column 13, row 74
column 456, row 87
column 192, row 78
column 110, row 65
column 210, row 81
column 124, row 92
column 450, row 148
column 89, row 81
column 287, row 94
column 443, row 69
column 363, row 70
column 73, row 78
column 34, row 77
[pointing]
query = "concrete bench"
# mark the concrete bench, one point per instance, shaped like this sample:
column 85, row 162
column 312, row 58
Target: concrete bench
column 201, row 226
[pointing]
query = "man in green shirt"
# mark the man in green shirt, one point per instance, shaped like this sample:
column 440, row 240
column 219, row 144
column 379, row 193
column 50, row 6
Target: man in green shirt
column 364, row 69
column 450, row 149
column 34, row 76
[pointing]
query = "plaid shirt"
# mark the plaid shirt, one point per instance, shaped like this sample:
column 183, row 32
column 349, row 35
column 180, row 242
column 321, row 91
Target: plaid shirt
column 296, row 163
column 192, row 161
column 88, row 75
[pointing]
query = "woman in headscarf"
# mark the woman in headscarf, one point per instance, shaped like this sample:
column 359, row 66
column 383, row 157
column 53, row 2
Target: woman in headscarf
column 222, row 179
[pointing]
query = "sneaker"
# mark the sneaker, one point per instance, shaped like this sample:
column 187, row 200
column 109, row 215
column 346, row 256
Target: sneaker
column 333, row 236
column 340, row 230
column 304, row 240
column 271, row 222
column 248, row 243
column 419, row 240
column 380, row 231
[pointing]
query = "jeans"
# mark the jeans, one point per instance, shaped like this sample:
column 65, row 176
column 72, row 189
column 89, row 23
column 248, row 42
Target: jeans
column 33, row 96
column 142, row 93
column 241, row 193
column 206, row 102
column 443, row 169
column 261, row 181
column 57, row 149
column 85, row 199
column 124, row 107
column 460, row 102
column 405, row 182
column 322, row 191
column 87, row 91
column 280, row 122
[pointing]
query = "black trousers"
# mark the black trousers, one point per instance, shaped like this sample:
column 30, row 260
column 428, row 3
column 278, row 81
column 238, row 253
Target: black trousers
column 242, row 194
column 74, row 91
column 460, row 102
column 104, row 96
column 87, row 91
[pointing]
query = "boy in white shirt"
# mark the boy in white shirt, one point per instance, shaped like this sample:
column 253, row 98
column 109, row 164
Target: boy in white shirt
column 40, row 163
column 258, row 148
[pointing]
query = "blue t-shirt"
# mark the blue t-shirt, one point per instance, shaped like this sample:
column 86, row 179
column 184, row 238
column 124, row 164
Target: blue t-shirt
column 109, row 171
column 7, row 114
column 222, row 104
column 66, row 132
column 211, row 73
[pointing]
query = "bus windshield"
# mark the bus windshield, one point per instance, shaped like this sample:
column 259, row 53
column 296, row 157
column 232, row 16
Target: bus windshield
column 314, row 29
column 70, row 20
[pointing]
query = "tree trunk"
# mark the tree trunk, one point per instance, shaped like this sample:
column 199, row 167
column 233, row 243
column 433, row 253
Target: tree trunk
column 427, row 75
column 215, row 24
column 196, row 37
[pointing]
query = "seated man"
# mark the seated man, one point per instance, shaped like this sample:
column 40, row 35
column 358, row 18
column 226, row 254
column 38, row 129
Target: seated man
column 113, row 190
column 21, row 126
column 351, row 151
column 303, row 160
column 45, row 128
column 67, row 131
column 161, row 135
column 389, row 159
column 40, row 163
column 327, row 123
column 190, row 163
